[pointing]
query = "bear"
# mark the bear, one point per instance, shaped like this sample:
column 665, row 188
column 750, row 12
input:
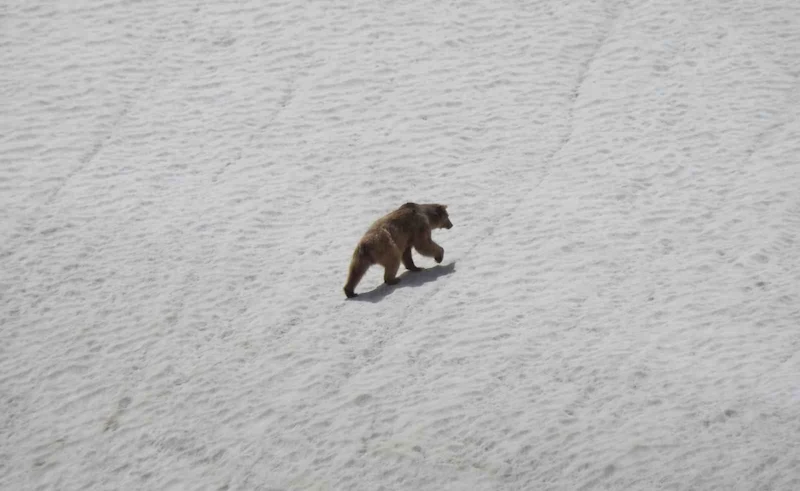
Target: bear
column 389, row 240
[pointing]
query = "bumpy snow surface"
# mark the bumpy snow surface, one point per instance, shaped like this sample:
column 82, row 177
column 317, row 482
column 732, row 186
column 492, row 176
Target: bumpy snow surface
column 182, row 185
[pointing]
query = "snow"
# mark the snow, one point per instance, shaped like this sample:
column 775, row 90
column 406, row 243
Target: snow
column 182, row 185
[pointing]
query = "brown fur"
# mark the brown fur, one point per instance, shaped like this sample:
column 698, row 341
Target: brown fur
column 389, row 240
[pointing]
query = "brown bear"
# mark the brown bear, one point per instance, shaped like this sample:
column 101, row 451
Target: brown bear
column 389, row 240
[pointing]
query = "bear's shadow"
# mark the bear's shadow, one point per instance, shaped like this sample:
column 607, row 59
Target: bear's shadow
column 407, row 279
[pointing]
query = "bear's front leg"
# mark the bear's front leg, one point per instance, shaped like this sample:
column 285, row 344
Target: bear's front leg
column 408, row 261
column 427, row 247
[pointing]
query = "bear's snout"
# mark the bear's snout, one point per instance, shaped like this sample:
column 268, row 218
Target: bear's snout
column 448, row 225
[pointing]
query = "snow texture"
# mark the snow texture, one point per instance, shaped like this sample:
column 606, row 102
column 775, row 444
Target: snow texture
column 182, row 185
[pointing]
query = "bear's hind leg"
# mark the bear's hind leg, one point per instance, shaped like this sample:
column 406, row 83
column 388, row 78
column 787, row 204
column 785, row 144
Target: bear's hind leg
column 358, row 267
column 390, row 260
column 390, row 274
column 408, row 261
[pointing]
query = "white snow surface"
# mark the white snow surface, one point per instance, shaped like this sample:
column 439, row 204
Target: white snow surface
column 182, row 185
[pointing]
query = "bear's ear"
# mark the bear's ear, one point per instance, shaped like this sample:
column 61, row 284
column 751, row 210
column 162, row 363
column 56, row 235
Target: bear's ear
column 444, row 206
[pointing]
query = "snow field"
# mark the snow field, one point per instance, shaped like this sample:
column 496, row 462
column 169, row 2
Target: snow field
column 182, row 184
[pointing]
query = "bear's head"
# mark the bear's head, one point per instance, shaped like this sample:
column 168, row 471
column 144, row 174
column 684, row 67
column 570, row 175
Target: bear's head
column 439, row 218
